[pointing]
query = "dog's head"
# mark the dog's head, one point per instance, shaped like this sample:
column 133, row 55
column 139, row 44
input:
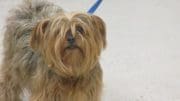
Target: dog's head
column 70, row 44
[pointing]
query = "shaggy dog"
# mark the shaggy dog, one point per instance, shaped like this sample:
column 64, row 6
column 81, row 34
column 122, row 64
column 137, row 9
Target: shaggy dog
column 51, row 53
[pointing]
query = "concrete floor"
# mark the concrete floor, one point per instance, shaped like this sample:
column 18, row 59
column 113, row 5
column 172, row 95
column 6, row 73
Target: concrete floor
column 142, row 59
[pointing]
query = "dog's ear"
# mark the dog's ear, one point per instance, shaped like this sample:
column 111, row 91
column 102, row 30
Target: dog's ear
column 100, row 27
column 37, row 35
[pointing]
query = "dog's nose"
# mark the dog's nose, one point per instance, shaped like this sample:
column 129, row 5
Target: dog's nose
column 71, row 39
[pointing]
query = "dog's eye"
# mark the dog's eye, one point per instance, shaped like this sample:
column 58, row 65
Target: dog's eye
column 79, row 30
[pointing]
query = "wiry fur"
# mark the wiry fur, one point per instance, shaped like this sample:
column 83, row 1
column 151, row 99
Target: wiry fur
column 38, row 57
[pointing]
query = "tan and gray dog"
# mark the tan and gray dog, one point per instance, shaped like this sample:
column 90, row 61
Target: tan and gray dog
column 51, row 53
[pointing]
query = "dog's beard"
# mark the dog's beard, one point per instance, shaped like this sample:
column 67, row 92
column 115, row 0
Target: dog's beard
column 78, row 58
column 69, row 60
column 72, row 57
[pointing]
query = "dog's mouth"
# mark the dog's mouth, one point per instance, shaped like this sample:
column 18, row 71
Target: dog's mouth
column 73, row 48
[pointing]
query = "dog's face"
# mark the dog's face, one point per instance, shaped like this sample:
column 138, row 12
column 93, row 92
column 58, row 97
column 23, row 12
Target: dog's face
column 70, row 44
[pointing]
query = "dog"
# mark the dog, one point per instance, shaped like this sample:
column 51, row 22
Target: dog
column 52, row 53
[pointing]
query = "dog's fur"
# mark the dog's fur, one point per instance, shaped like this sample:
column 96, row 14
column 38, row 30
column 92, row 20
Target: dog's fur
column 51, row 53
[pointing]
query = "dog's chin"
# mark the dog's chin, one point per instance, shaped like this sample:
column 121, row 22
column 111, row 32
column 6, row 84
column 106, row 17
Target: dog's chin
column 72, row 56
column 73, row 50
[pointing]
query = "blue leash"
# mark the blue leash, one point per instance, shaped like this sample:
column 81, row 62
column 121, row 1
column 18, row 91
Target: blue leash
column 94, row 7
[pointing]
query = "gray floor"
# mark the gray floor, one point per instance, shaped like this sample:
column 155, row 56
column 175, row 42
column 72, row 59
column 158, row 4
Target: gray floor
column 142, row 60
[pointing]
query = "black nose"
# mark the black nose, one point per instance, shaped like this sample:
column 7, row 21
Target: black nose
column 71, row 39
